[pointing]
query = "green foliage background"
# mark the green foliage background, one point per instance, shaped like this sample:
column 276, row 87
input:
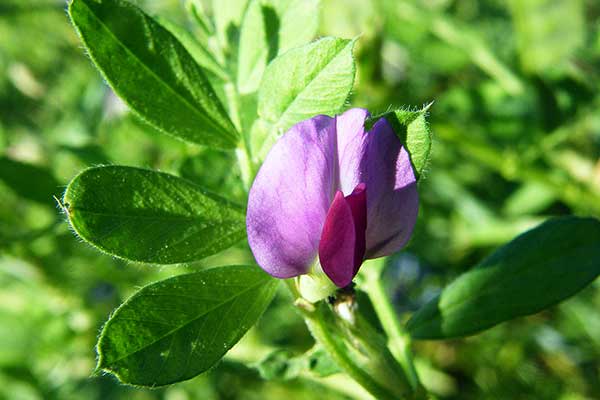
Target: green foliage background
column 516, row 125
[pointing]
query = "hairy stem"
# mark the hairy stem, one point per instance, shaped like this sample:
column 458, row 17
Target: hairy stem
column 399, row 341
column 320, row 325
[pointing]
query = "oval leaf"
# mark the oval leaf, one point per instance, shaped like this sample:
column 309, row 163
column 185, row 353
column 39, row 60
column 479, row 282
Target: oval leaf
column 271, row 27
column 199, row 52
column 152, row 72
column 148, row 216
column 536, row 270
column 313, row 79
column 227, row 21
column 178, row 328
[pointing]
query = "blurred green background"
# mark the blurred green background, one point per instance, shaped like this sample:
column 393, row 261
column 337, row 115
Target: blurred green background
column 516, row 123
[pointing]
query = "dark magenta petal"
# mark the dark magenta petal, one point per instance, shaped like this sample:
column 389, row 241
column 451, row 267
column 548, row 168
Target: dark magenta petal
column 342, row 245
column 336, row 248
column 357, row 201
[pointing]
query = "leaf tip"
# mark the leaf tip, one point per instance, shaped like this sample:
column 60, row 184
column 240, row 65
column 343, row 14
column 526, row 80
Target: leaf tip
column 427, row 106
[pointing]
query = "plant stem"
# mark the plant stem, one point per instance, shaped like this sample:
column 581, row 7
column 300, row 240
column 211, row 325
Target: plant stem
column 243, row 154
column 340, row 383
column 322, row 332
column 233, row 106
column 399, row 341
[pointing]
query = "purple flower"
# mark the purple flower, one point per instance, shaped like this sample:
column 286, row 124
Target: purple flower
column 331, row 192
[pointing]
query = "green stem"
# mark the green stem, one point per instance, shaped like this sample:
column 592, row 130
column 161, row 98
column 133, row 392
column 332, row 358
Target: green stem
column 340, row 383
column 243, row 153
column 398, row 341
column 322, row 332
column 233, row 106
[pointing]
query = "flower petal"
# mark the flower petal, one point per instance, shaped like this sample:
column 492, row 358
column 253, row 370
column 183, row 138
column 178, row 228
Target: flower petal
column 351, row 147
column 357, row 201
column 378, row 158
column 336, row 248
column 290, row 197
column 342, row 245
column 392, row 197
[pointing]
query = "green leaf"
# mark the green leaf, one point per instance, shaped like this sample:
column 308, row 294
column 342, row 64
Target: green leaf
column 148, row 216
column 280, row 365
column 258, row 42
column 29, row 181
column 271, row 27
column 197, row 11
column 413, row 130
column 227, row 20
column 283, row 365
column 152, row 72
column 321, row 364
column 175, row 329
column 306, row 81
column 313, row 79
column 298, row 22
column 536, row 270
column 200, row 54
column 216, row 171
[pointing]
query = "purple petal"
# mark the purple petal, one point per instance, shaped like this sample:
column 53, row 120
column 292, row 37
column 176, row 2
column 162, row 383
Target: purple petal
column 392, row 197
column 342, row 245
column 378, row 158
column 351, row 142
column 357, row 201
column 290, row 197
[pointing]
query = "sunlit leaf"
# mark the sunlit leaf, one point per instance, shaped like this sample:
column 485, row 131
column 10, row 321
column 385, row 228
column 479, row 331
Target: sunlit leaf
column 271, row 27
column 178, row 328
column 306, row 81
column 227, row 20
column 200, row 54
column 148, row 216
column 536, row 270
column 152, row 72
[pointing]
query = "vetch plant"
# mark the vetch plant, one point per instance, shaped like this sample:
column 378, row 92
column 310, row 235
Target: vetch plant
column 327, row 190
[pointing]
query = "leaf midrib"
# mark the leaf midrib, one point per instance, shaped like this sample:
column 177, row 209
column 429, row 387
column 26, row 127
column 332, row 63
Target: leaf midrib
column 172, row 331
column 184, row 100
column 160, row 218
